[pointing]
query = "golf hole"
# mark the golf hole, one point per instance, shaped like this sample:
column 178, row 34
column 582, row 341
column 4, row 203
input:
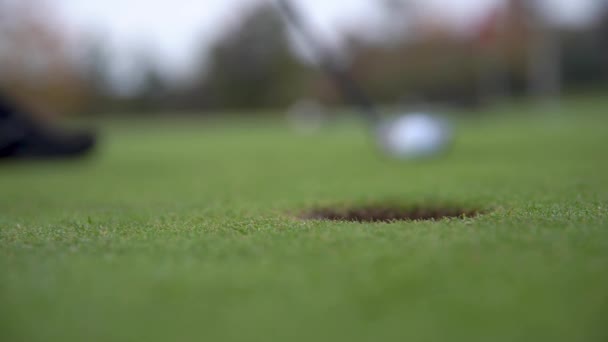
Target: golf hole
column 388, row 213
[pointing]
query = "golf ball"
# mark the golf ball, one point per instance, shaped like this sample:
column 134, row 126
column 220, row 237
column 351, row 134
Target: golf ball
column 415, row 135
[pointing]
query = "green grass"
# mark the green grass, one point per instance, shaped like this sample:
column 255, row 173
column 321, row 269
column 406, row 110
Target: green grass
column 183, row 231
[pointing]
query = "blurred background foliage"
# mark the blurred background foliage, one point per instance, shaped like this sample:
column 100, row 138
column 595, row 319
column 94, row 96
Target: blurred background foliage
column 512, row 53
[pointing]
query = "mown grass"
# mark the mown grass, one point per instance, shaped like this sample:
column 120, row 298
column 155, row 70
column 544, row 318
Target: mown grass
column 183, row 231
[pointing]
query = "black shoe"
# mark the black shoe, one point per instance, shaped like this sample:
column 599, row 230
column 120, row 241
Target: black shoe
column 24, row 138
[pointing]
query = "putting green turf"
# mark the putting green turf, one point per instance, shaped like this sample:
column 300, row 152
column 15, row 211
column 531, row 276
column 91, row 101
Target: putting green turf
column 182, row 231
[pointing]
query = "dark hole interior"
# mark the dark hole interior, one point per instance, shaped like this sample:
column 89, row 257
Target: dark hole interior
column 388, row 213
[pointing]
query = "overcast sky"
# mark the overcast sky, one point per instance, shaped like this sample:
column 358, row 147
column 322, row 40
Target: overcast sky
column 175, row 29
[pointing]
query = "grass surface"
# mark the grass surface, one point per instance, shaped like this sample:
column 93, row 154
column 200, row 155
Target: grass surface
column 183, row 231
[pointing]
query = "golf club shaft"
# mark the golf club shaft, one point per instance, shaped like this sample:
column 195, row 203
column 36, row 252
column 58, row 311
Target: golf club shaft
column 349, row 88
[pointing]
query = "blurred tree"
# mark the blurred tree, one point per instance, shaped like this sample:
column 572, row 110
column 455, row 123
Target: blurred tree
column 34, row 60
column 436, row 66
column 602, row 39
column 493, row 69
column 96, row 74
column 252, row 65
column 544, row 53
column 153, row 91
column 582, row 55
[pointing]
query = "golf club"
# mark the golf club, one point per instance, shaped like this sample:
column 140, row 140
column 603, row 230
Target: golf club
column 407, row 136
column 343, row 80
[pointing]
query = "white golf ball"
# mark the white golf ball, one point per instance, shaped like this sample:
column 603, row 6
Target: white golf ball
column 415, row 135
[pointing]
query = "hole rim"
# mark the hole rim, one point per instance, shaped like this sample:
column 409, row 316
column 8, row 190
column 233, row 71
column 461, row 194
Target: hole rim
column 390, row 213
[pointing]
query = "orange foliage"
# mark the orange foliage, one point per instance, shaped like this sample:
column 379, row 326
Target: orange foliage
column 37, row 68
